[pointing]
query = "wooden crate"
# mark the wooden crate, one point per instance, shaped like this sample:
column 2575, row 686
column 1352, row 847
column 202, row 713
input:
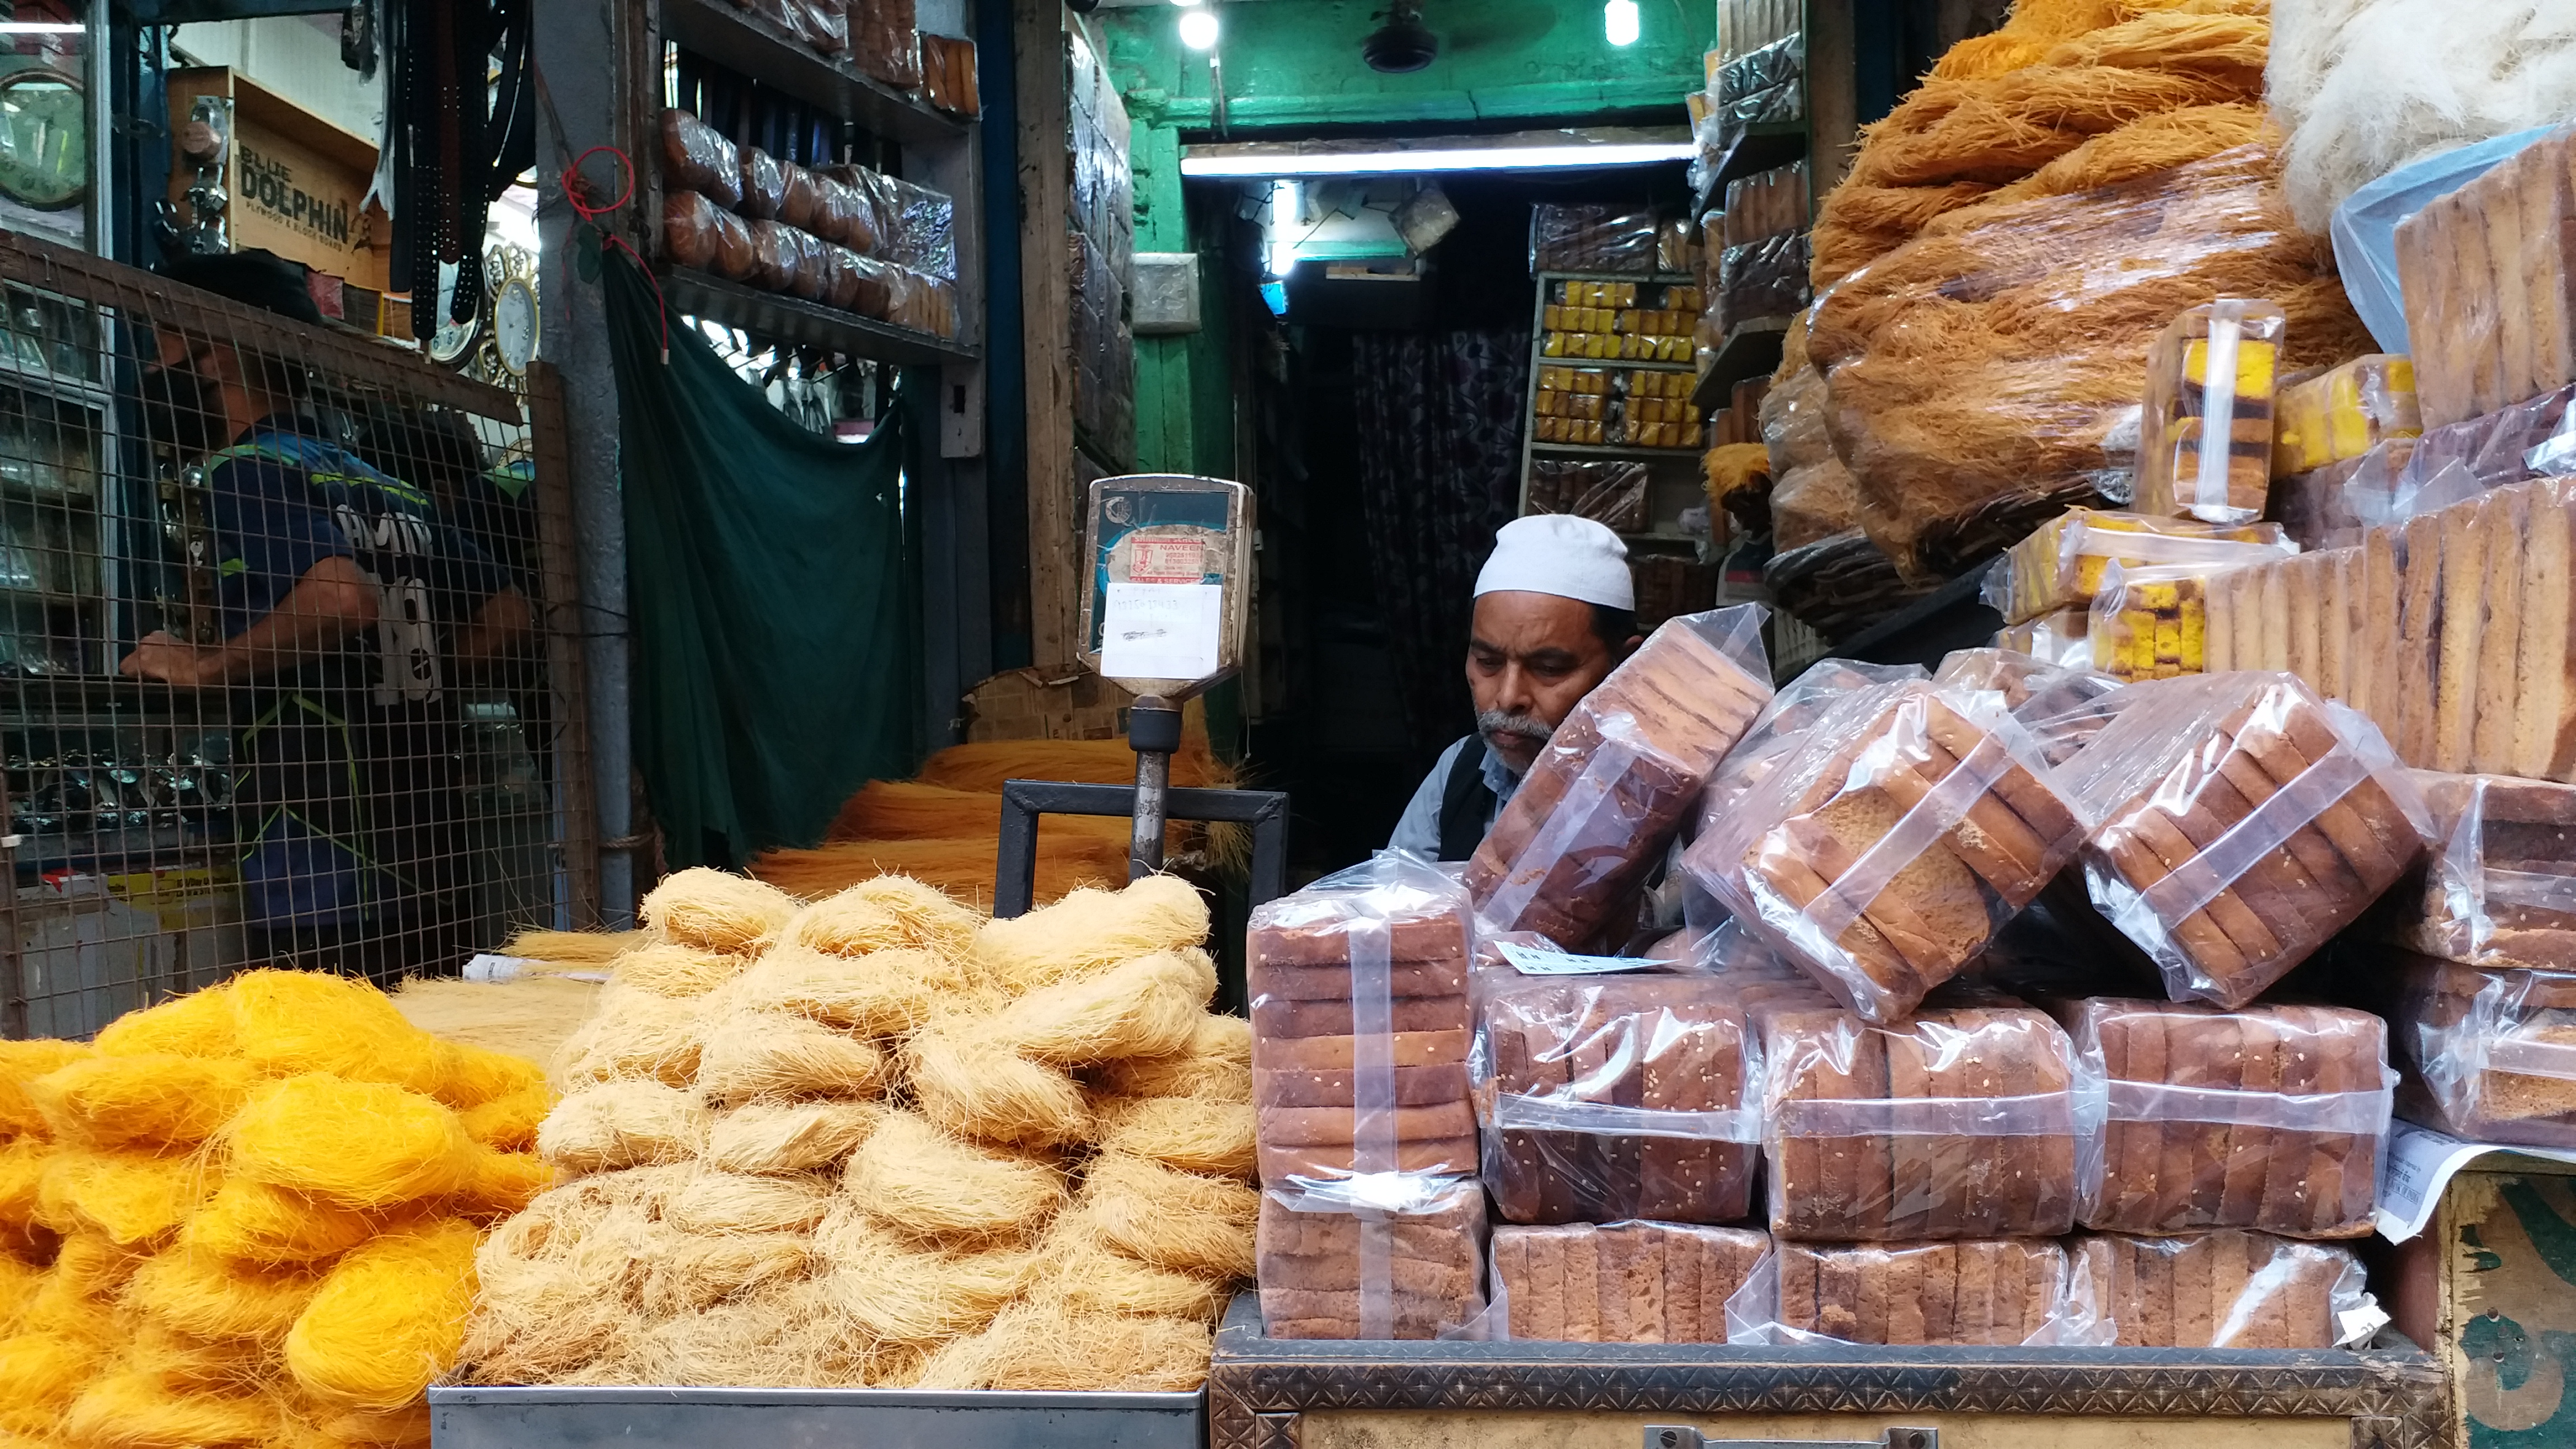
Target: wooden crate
column 1265, row 1394
column 298, row 183
column 2491, row 1285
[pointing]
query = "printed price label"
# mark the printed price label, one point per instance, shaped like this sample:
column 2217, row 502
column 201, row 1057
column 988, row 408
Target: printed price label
column 1162, row 631
column 1535, row 961
column 1162, row 560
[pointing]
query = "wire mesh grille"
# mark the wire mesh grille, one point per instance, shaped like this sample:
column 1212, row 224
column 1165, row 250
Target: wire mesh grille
column 276, row 678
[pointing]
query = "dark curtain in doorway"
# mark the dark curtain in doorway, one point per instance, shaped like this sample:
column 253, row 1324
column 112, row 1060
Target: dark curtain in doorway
column 1439, row 449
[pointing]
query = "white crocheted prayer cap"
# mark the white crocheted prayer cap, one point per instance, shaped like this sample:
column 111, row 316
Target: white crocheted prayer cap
column 1560, row 554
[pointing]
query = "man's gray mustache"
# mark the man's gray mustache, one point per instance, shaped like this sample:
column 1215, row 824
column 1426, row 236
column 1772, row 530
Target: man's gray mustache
column 1494, row 722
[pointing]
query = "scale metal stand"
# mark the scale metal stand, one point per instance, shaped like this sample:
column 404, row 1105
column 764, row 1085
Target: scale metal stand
column 1165, row 615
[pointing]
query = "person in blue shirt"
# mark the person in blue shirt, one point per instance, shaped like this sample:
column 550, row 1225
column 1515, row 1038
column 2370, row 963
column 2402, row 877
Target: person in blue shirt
column 348, row 607
column 1555, row 613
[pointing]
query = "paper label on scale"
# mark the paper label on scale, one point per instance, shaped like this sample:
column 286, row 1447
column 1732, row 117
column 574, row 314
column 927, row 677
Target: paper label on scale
column 1161, row 631
column 1162, row 559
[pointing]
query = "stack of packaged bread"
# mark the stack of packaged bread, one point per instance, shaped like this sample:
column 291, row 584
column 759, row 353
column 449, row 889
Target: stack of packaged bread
column 832, row 233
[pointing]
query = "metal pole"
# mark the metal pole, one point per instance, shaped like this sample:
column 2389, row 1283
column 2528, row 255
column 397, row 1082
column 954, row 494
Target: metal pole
column 1154, row 730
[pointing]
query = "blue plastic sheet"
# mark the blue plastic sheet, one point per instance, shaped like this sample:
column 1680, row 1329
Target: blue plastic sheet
column 2365, row 226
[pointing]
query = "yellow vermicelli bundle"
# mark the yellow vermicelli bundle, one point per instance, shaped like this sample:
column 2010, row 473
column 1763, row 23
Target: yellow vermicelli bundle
column 718, row 912
column 160, row 1100
column 247, row 1216
column 922, row 1183
column 1090, row 931
column 386, row 1319
column 667, row 968
column 362, row 1145
column 623, row 1124
column 872, row 1157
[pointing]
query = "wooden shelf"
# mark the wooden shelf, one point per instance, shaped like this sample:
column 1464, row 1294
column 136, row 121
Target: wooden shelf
column 1613, row 450
column 1752, row 349
column 1539, row 358
column 761, row 51
column 1761, row 147
column 793, row 319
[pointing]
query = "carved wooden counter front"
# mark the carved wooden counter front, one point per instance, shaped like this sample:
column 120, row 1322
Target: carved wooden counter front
column 1265, row 1394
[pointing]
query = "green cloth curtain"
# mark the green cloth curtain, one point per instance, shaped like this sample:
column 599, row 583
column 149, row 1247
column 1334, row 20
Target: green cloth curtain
column 773, row 599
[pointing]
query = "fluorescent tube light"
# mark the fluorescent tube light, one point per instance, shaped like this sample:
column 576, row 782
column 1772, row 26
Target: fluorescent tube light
column 1465, row 158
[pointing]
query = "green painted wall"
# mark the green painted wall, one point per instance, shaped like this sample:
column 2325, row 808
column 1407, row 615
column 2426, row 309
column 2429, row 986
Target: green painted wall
column 1293, row 67
column 1296, row 63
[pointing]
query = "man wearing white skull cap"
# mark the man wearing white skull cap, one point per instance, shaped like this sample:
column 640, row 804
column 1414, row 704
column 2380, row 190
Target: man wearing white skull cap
column 1555, row 613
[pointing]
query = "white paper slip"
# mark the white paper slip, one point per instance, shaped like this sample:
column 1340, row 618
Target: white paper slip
column 2419, row 1163
column 1537, row 961
column 1162, row 631
column 488, row 967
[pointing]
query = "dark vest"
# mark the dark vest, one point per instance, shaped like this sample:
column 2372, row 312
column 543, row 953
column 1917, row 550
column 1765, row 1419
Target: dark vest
column 1466, row 802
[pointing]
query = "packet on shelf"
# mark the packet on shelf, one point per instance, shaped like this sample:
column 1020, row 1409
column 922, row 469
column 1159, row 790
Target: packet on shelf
column 696, row 158
column 2064, row 562
column 2271, row 1117
column 1611, row 1097
column 2499, row 887
column 2221, row 1290
column 1982, row 1292
column 2205, row 438
column 2487, row 1054
column 1619, row 777
column 1393, row 1256
column 1898, row 836
column 1625, row 1282
column 1957, row 1124
column 2236, row 823
column 2343, row 413
column 698, row 233
column 1360, row 1026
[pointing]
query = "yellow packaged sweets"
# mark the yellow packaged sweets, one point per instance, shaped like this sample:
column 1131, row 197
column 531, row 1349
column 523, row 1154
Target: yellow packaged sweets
column 2150, row 623
column 2205, row 436
column 2343, row 413
column 2062, row 564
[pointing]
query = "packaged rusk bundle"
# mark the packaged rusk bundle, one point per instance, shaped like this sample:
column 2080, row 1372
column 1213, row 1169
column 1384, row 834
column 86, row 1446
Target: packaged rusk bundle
column 1611, row 1097
column 2063, row 562
column 1619, row 778
column 2266, row 1117
column 1360, row 1026
column 2344, row 412
column 2488, row 1054
column 1981, row 1292
column 1399, row 1255
column 2222, row 1290
column 2237, row 823
column 2205, row 437
column 1957, row 1124
column 1905, row 828
column 1621, row 1282
column 2499, row 886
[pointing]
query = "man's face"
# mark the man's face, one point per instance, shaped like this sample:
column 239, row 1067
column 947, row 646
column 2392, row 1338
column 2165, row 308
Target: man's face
column 1530, row 659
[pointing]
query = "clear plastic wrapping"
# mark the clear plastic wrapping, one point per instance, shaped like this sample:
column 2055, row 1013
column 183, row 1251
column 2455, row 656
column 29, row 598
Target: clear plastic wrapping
column 698, row 233
column 1621, row 1282
column 2151, row 621
column 2329, row 506
column 2205, row 437
column 2344, row 412
column 1764, row 86
column 1612, row 494
column 2487, row 284
column 822, row 24
column 1987, row 374
column 844, row 212
column 2499, row 888
column 1903, row 830
column 919, row 226
column 1592, row 239
column 1992, row 1292
column 1960, row 1123
column 695, row 158
column 2059, row 637
column 2062, row 563
column 1360, row 1026
column 2488, row 1055
column 2237, row 823
column 797, row 196
column 763, row 185
column 1618, row 778
column 2222, row 1290
column 2062, row 705
column 1621, row 1096
column 884, row 41
column 1387, row 1257
column 2270, row 1117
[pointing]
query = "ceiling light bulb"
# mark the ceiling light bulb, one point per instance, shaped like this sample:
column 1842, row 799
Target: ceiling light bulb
column 1198, row 28
column 1619, row 21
